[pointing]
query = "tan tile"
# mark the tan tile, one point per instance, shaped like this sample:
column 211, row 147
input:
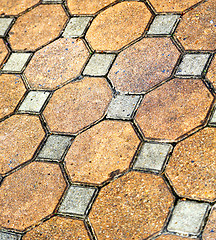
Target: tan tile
column 37, row 27
column 134, row 206
column 101, row 152
column 3, row 51
column 20, row 136
column 77, row 105
column 211, row 74
column 143, row 65
column 11, row 91
column 30, row 194
column 118, row 25
column 197, row 29
column 173, row 237
column 210, row 228
column 56, row 63
column 58, row 228
column 192, row 166
column 174, row 109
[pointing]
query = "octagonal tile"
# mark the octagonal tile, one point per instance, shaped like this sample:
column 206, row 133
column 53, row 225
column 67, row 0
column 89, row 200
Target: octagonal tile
column 3, row 51
column 211, row 74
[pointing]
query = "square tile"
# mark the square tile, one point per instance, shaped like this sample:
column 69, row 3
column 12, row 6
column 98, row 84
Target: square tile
column 122, row 106
column 77, row 200
column 4, row 25
column 187, row 217
column 99, row 64
column 152, row 156
column 9, row 236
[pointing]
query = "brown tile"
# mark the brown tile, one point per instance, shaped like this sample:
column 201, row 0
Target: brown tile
column 11, row 91
column 56, row 63
column 118, row 25
column 78, row 104
column 58, row 228
column 174, row 109
column 3, row 51
column 101, row 152
column 197, row 30
column 143, row 65
column 210, row 228
column 37, row 27
column 134, row 206
column 30, row 194
column 173, row 237
column 211, row 74
column 192, row 166
column 20, row 137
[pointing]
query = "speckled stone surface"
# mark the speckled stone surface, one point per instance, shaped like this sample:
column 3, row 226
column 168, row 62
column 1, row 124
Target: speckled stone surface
column 210, row 228
column 3, row 51
column 211, row 74
column 173, row 237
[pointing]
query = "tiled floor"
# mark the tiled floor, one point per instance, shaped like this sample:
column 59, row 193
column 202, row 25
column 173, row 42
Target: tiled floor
column 107, row 119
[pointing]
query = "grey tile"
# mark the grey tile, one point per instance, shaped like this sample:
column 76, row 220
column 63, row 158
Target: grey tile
column 213, row 117
column 9, row 236
column 4, row 25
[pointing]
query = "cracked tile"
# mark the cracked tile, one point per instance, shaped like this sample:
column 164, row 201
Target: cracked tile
column 4, row 25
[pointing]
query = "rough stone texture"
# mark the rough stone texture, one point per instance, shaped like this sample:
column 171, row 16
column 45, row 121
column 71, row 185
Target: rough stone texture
column 68, row 54
column 119, row 25
column 11, row 92
column 143, row 65
column 101, row 152
column 37, row 27
column 210, row 228
column 211, row 74
column 9, row 236
column 213, row 117
column 4, row 25
column 197, row 29
column 173, row 237
column 192, row 166
column 20, row 137
column 52, row 1
column 131, row 207
column 3, row 51
column 77, row 105
column 174, row 109
column 30, row 194
column 58, row 228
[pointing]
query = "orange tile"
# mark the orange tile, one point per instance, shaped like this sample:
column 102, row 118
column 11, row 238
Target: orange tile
column 30, row 194
column 211, row 74
column 174, row 109
column 134, row 206
column 210, row 228
column 3, row 51
column 118, row 25
column 101, row 152
column 173, row 237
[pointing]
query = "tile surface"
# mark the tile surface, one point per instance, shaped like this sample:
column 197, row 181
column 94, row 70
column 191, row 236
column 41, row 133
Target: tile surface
column 3, row 51
column 4, row 25
column 9, row 236
column 173, row 237
column 211, row 74
column 210, row 228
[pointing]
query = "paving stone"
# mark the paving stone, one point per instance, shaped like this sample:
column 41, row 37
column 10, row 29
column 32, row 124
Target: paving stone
column 152, row 156
column 187, row 217
column 101, row 152
column 211, row 74
column 119, row 25
column 58, row 228
column 163, row 24
column 20, row 137
column 52, row 1
column 174, row 109
column 54, row 147
column 197, row 30
column 77, row 200
column 9, row 236
column 76, row 26
column 213, row 117
column 173, row 237
column 192, row 64
column 30, row 194
column 11, row 91
column 4, row 25
column 16, row 62
column 34, row 101
column 77, row 105
column 210, row 228
column 144, row 65
column 99, row 64
column 122, row 106
column 3, row 51
column 192, row 166
column 69, row 55
column 44, row 24
column 134, row 206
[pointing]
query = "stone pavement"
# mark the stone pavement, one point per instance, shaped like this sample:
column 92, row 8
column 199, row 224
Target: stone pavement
column 107, row 119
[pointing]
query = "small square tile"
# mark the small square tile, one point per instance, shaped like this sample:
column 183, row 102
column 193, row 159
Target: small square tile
column 16, row 62
column 77, row 200
column 9, row 236
column 163, row 24
column 76, row 26
column 152, row 156
column 122, row 106
column 34, row 101
column 187, row 217
column 192, row 64
column 4, row 25
column 54, row 148
column 99, row 64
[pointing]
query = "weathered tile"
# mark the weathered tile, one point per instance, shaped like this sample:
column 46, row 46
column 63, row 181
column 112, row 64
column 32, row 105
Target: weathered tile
column 143, row 65
column 173, row 237
column 101, row 152
column 192, row 166
column 174, row 109
column 56, row 63
column 211, row 74
column 213, row 117
column 134, row 206
column 210, row 228
column 77, row 105
column 30, row 194
column 4, row 25
column 3, row 51
column 117, row 26
column 9, row 236
column 37, row 27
